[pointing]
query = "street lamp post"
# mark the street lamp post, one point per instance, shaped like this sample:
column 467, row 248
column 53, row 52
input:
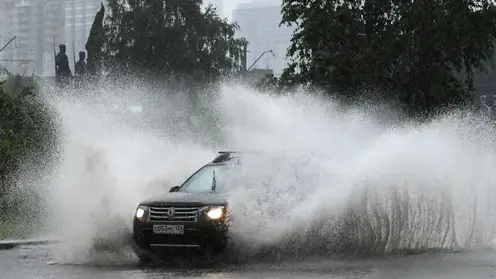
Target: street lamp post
column 8, row 43
column 263, row 53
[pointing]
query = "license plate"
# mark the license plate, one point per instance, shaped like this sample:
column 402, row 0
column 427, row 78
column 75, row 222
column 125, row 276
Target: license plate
column 168, row 229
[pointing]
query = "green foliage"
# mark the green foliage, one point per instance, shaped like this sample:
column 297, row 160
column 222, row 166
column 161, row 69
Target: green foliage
column 414, row 51
column 171, row 38
column 268, row 83
column 27, row 135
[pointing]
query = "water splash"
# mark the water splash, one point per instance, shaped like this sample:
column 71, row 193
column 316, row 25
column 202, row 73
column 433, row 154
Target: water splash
column 113, row 158
column 338, row 179
column 368, row 187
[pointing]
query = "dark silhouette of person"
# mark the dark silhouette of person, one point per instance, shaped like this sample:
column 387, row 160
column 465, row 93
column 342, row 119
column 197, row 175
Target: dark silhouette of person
column 80, row 69
column 63, row 72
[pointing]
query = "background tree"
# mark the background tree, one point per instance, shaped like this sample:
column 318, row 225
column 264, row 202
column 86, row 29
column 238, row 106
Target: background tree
column 28, row 135
column 171, row 38
column 420, row 53
column 94, row 44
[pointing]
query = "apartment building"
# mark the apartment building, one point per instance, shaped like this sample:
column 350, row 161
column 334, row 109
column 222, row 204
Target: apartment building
column 6, row 34
column 259, row 24
column 78, row 18
column 15, row 17
column 40, row 26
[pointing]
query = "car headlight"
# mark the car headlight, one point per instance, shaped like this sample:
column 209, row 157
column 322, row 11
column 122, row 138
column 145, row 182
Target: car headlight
column 141, row 212
column 215, row 213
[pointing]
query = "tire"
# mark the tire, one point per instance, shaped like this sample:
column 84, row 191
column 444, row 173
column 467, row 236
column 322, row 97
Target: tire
column 144, row 256
column 145, row 259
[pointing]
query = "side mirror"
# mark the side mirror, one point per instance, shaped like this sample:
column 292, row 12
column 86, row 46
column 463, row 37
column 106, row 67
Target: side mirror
column 174, row 189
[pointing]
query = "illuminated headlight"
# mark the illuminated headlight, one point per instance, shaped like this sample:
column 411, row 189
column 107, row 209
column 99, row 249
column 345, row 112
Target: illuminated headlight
column 215, row 213
column 141, row 212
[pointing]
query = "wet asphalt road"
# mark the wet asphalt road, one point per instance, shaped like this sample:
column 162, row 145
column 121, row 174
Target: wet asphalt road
column 35, row 262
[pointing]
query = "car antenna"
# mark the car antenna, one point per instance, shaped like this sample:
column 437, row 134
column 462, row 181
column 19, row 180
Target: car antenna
column 214, row 182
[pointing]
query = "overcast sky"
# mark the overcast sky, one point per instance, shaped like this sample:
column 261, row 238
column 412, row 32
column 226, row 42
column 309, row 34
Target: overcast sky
column 229, row 6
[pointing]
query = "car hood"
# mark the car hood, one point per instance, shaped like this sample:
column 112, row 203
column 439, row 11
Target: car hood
column 186, row 198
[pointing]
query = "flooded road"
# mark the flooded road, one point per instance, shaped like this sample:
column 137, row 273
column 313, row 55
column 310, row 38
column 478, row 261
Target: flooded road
column 35, row 262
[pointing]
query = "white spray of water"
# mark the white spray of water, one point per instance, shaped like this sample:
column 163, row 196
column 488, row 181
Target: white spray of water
column 365, row 187
column 111, row 161
column 339, row 179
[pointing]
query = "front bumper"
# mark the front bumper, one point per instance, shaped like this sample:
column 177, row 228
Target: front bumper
column 197, row 235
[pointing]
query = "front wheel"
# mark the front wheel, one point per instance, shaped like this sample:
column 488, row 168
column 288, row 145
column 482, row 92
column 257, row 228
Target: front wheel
column 144, row 256
column 145, row 259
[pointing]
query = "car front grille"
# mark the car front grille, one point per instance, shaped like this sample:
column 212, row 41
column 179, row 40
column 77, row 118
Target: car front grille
column 180, row 213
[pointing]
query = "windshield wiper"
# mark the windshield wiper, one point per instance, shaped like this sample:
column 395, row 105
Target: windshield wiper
column 214, row 182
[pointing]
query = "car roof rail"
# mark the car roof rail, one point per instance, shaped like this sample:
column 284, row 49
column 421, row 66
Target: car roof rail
column 247, row 152
column 229, row 152
column 224, row 156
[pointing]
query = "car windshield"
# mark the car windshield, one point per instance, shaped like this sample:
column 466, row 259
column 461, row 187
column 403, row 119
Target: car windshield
column 208, row 179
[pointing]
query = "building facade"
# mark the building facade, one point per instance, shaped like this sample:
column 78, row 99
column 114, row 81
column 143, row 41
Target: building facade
column 6, row 34
column 78, row 18
column 259, row 24
column 39, row 27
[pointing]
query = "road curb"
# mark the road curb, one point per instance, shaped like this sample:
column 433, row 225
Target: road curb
column 11, row 244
